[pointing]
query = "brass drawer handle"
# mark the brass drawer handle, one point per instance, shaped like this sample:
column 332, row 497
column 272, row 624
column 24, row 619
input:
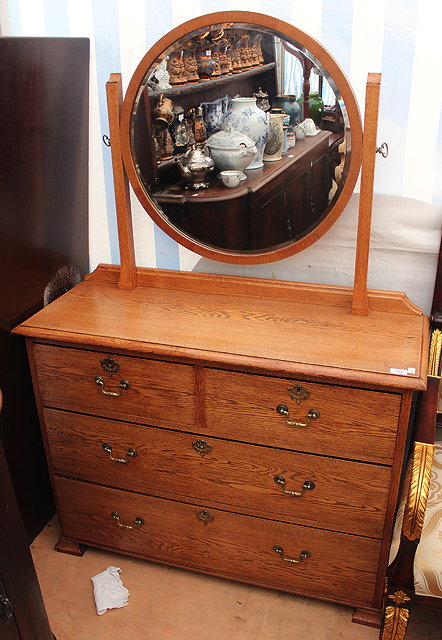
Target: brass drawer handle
column 302, row 556
column 307, row 486
column 130, row 453
column 138, row 521
column 124, row 384
column 313, row 414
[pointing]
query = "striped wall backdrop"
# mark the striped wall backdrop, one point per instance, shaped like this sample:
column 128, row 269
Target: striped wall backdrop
column 400, row 38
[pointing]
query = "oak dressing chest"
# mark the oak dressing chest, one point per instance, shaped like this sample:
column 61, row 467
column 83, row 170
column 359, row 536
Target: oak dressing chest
column 250, row 429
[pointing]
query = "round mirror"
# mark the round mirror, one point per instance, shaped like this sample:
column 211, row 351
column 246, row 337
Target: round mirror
column 241, row 137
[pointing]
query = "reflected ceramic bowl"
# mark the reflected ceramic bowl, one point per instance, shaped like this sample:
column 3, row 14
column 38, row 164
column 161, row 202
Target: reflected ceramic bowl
column 230, row 178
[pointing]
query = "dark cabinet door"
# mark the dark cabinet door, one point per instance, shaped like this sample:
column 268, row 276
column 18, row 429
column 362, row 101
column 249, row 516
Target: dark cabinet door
column 43, row 226
column 22, row 612
column 268, row 218
column 298, row 204
column 320, row 185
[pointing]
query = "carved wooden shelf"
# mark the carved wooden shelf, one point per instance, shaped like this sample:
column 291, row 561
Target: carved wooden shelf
column 204, row 84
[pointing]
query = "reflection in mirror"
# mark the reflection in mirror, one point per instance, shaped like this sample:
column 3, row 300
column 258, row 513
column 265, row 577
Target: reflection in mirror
column 241, row 138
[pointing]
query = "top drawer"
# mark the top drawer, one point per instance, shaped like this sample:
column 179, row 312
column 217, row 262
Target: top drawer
column 353, row 423
column 158, row 392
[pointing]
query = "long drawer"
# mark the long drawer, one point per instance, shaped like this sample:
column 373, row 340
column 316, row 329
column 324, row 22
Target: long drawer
column 349, row 423
column 93, row 382
column 334, row 494
column 339, row 567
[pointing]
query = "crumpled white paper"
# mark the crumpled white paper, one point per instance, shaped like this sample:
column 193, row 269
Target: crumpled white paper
column 109, row 591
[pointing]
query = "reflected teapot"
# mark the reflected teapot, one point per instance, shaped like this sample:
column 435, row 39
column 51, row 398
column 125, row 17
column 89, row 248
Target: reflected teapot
column 195, row 167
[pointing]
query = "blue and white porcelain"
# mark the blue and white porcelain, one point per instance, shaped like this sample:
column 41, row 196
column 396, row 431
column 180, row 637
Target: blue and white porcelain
column 245, row 116
column 213, row 114
column 231, row 150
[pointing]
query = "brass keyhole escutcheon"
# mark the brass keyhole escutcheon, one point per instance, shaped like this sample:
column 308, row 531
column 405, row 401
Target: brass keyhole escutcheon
column 298, row 393
column 202, row 447
column 205, row 517
column 110, row 365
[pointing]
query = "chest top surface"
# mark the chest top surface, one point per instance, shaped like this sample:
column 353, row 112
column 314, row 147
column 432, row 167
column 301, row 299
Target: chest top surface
column 298, row 329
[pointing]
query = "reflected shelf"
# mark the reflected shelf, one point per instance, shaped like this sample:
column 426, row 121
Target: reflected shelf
column 212, row 82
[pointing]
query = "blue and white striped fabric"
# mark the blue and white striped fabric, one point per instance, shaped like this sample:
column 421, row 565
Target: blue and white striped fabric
column 400, row 38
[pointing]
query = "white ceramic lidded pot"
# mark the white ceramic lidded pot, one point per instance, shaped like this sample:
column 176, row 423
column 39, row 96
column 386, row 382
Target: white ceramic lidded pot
column 245, row 116
column 231, row 150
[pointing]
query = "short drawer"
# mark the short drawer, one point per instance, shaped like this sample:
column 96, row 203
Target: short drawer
column 158, row 392
column 353, row 423
column 339, row 567
column 333, row 494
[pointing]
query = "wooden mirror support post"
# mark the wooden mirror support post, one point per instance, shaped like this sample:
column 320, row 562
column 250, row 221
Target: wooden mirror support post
column 128, row 271
column 360, row 296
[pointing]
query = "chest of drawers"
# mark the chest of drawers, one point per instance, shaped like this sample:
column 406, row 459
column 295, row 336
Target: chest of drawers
column 241, row 436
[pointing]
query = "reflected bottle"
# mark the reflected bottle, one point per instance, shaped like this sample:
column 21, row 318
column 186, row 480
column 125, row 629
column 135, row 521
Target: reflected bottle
column 199, row 127
column 180, row 134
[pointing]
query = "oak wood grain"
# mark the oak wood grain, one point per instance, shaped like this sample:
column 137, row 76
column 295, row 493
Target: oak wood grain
column 367, row 618
column 71, row 547
column 348, row 496
column 341, row 567
column 301, row 337
column 353, row 423
column 360, row 299
column 396, row 472
column 128, row 274
column 159, row 392
column 330, row 295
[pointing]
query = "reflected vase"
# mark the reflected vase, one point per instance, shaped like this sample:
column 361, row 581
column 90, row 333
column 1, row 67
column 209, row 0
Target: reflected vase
column 245, row 116
column 291, row 107
column 275, row 139
column 316, row 107
column 206, row 64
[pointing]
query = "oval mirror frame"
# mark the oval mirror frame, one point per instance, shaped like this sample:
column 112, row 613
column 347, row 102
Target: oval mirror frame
column 343, row 87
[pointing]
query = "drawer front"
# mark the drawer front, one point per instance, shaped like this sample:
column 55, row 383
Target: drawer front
column 352, row 423
column 344, row 495
column 159, row 392
column 340, row 567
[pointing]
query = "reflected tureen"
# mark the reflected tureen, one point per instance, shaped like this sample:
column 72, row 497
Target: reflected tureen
column 231, row 150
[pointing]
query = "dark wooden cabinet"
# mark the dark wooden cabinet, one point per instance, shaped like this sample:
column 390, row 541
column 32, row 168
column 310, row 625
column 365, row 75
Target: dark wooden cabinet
column 22, row 612
column 43, row 225
column 277, row 203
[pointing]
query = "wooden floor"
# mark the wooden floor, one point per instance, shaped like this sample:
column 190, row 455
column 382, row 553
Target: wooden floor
column 172, row 604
